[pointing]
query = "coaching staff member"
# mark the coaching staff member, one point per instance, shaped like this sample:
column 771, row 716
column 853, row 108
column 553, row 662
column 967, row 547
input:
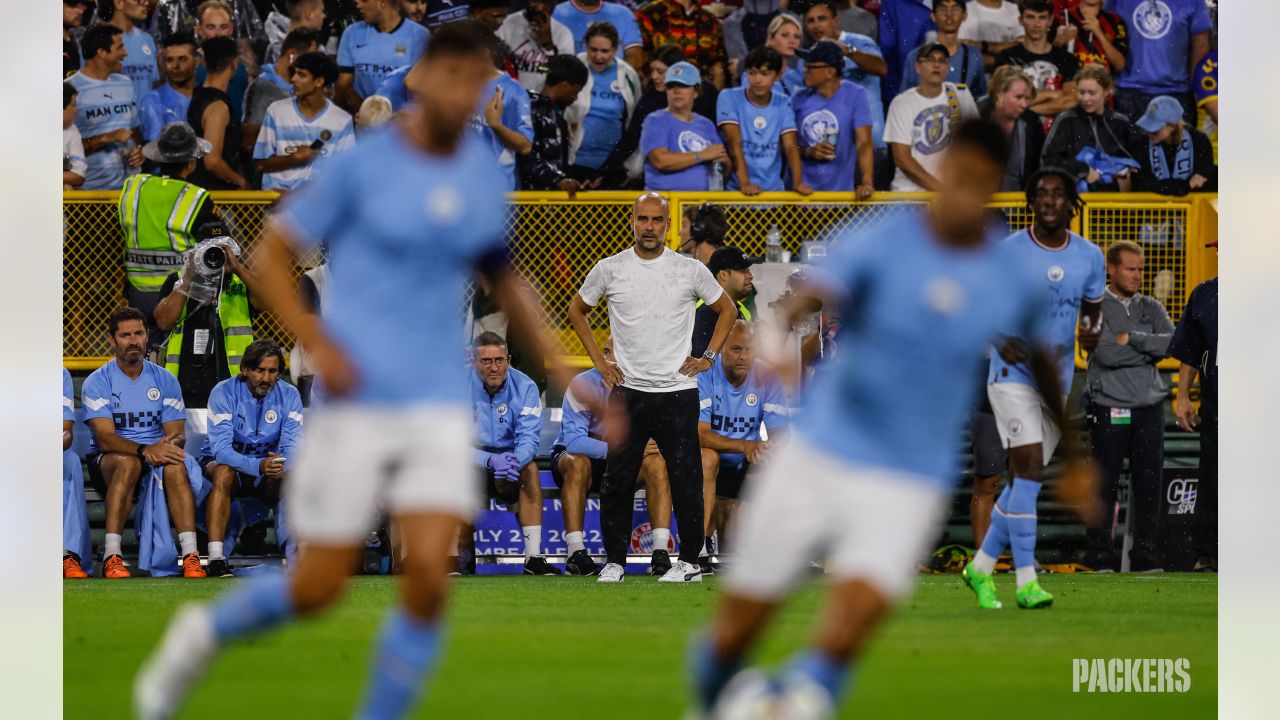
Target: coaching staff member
column 652, row 294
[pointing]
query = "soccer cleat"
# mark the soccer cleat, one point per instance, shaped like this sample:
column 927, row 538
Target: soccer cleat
column 983, row 585
column 682, row 572
column 749, row 695
column 218, row 568
column 612, row 573
column 71, row 568
column 113, row 568
column 538, row 565
column 580, row 563
column 191, row 566
column 1033, row 597
column 181, row 658
column 659, row 562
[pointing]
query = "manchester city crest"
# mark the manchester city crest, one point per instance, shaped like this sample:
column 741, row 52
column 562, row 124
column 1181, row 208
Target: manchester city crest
column 326, row 135
column 271, row 417
column 759, row 122
column 1056, row 273
column 502, row 408
column 153, row 394
column 752, row 399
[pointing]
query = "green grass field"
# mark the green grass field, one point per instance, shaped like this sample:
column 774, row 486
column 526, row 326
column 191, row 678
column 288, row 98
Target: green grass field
column 564, row 648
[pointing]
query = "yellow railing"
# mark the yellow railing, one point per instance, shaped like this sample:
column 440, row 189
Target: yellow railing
column 555, row 241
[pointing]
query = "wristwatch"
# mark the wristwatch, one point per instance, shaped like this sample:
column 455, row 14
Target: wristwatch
column 709, row 356
column 139, row 451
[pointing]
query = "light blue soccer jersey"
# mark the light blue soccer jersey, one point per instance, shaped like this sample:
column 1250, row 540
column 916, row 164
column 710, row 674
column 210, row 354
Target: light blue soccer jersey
column 405, row 230
column 371, row 55
column 917, row 319
column 394, row 90
column 761, row 129
column 578, row 22
column 581, row 430
column 140, row 64
column 738, row 412
column 139, row 408
column 510, row 420
column 1070, row 275
column 161, row 107
column 68, row 397
column 516, row 115
column 285, row 129
column 243, row 429
column 104, row 106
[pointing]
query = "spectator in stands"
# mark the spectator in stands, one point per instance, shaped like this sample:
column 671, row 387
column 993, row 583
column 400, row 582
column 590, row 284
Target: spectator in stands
column 73, row 165
column 703, row 231
column 274, row 83
column 1167, row 39
column 1206, row 92
column 106, row 110
column 1092, row 34
column 1175, row 159
column 439, row 12
column 216, row 19
column 301, row 131
column 732, row 269
column 546, row 166
column 679, row 146
column 504, row 124
column 508, row 423
column 695, row 30
column 1052, row 69
column 966, row 68
column 209, row 316
column 856, row 19
column 993, row 26
column 236, row 19
column 415, row 10
column 374, row 111
column 77, row 540
column 255, row 429
column 1195, row 345
column 1007, row 106
column 785, row 36
column 759, row 129
column 1126, row 409
column 580, row 15
column 1091, row 124
column 489, row 13
column 213, row 117
column 920, row 120
column 300, row 15
column 373, row 48
column 140, row 63
column 534, row 38
column 72, row 17
column 169, row 102
column 746, row 29
column 904, row 26
column 598, row 116
column 135, row 413
column 835, row 124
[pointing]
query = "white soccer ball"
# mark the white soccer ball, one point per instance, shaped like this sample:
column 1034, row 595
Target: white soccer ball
column 803, row 699
column 750, row 695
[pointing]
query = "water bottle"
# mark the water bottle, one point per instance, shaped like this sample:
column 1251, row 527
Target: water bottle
column 773, row 245
column 127, row 151
column 831, row 135
column 715, row 177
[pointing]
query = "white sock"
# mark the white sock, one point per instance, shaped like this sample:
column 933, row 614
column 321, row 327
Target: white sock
column 1026, row 575
column 532, row 540
column 574, row 541
column 188, row 542
column 984, row 563
column 215, row 550
column 662, row 538
column 113, row 546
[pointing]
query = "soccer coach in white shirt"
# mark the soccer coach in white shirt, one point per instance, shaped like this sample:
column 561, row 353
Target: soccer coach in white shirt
column 652, row 294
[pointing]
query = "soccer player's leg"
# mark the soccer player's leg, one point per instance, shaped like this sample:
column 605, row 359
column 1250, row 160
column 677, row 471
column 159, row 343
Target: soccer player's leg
column 530, row 514
column 182, row 512
column 657, row 495
column 573, row 475
column 120, row 474
column 217, row 512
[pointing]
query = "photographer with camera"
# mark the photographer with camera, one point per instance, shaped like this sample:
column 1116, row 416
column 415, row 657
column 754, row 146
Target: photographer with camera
column 209, row 313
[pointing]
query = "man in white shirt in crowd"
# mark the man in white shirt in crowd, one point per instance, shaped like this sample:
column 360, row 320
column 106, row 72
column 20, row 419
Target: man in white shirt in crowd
column 921, row 119
column 534, row 38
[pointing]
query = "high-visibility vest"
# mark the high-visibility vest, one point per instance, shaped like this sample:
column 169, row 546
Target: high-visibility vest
column 237, row 330
column 157, row 215
column 743, row 312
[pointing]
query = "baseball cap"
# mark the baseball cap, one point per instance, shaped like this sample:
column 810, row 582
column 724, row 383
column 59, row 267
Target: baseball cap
column 177, row 143
column 1161, row 111
column 825, row 52
column 211, row 230
column 931, row 47
column 730, row 258
column 684, row 73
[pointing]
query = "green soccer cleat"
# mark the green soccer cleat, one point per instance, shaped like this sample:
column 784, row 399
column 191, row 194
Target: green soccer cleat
column 1033, row 597
column 982, row 585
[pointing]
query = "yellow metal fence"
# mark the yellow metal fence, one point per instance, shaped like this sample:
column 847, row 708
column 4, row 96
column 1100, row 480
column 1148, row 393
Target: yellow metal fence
column 555, row 242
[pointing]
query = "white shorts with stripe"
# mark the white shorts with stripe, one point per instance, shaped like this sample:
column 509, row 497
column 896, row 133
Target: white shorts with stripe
column 1022, row 417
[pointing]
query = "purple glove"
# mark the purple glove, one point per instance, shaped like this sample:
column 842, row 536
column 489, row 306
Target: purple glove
column 505, row 466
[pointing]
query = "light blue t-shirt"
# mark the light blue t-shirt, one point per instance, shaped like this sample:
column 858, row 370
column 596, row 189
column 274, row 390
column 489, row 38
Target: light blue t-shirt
column 139, row 408
column 846, row 110
column 371, row 55
column 581, row 429
column 1160, row 42
column 602, row 127
column 405, row 230
column 140, row 63
column 102, row 107
column 68, row 397
column 161, row 107
column 859, row 77
column 1069, row 276
column 578, row 22
column 516, row 115
column 738, row 412
column 917, row 319
column 761, row 129
column 664, row 130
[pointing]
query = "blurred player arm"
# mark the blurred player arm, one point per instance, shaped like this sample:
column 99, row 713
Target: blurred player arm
column 512, row 139
column 576, row 424
column 522, row 309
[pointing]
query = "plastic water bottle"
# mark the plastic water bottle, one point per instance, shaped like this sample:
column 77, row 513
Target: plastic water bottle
column 773, row 245
column 715, row 177
column 127, row 151
column 831, row 135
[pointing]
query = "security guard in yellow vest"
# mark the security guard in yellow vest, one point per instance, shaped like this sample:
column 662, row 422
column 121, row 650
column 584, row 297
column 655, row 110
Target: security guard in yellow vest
column 158, row 214
column 732, row 269
column 209, row 313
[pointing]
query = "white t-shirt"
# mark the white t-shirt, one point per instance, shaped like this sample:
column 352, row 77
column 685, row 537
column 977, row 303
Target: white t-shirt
column 983, row 24
column 73, row 150
column 924, row 124
column 651, row 308
column 530, row 57
column 285, row 129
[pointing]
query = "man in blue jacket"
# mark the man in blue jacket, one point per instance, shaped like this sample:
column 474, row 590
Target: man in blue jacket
column 508, row 423
column 255, row 425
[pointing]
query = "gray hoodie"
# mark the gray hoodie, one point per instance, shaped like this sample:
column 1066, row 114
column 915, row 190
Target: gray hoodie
column 1125, row 376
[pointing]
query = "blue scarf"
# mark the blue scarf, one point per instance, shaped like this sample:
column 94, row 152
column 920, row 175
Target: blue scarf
column 1182, row 160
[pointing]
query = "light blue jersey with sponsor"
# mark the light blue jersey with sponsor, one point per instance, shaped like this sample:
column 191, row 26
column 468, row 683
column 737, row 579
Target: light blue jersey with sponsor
column 161, row 107
column 739, row 412
column 516, row 115
column 510, row 420
column 1071, row 275
column 761, row 129
column 285, row 129
column 243, row 428
column 578, row 22
column 371, row 54
column 393, row 89
column 917, row 319
column 581, row 430
column 139, row 408
column 140, row 64
column 405, row 230
column 68, row 397
column 104, row 106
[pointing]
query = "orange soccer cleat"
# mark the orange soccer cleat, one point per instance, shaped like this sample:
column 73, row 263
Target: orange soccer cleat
column 113, row 568
column 191, row 566
column 71, row 568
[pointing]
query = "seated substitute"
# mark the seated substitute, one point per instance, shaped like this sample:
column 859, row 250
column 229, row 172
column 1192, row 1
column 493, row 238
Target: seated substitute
column 135, row 413
column 77, row 543
column 578, row 463
column 255, row 426
column 737, row 397
column 508, row 421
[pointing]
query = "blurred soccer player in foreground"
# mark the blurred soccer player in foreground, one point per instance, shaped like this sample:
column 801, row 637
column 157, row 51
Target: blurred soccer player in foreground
column 408, row 217
column 867, row 476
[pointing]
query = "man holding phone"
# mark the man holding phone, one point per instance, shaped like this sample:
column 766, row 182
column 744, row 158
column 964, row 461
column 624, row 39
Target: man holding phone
column 534, row 38
column 298, row 131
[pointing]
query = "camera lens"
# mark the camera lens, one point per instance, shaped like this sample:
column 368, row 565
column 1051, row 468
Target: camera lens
column 214, row 257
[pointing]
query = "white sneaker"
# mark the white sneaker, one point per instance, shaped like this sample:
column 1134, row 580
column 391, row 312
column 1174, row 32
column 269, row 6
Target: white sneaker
column 612, row 573
column 682, row 572
column 184, row 652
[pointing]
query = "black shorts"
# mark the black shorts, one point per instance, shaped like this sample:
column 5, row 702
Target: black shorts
column 988, row 450
column 246, row 486
column 99, row 482
column 729, row 480
column 597, row 470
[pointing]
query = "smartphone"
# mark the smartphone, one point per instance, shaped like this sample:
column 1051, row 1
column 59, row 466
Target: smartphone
column 317, row 144
column 277, row 460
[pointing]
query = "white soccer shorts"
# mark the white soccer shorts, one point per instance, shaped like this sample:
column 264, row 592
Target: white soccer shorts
column 356, row 460
column 1022, row 418
column 869, row 523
